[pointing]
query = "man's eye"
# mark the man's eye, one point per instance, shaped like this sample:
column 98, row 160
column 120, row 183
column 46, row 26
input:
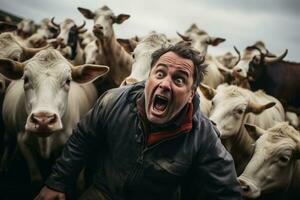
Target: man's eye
column 159, row 74
column 179, row 81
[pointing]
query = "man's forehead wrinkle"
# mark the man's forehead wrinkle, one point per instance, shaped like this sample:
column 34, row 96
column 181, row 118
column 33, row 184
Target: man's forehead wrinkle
column 169, row 61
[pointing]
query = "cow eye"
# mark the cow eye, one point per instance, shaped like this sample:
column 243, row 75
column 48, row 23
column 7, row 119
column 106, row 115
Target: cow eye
column 284, row 159
column 240, row 111
column 256, row 60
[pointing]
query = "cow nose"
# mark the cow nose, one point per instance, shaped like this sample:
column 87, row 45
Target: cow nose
column 98, row 27
column 236, row 72
column 43, row 119
column 245, row 187
column 60, row 40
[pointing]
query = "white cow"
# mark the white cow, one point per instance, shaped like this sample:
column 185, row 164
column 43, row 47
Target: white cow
column 200, row 40
column 45, row 31
column 113, row 54
column 275, row 164
column 233, row 106
column 46, row 98
column 26, row 28
column 142, row 56
column 68, row 40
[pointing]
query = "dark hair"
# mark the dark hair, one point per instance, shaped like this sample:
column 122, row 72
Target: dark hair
column 184, row 50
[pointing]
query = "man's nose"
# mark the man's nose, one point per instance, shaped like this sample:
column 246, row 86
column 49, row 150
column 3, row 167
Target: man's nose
column 165, row 84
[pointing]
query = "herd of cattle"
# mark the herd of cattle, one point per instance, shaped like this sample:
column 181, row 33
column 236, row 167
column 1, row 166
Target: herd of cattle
column 53, row 72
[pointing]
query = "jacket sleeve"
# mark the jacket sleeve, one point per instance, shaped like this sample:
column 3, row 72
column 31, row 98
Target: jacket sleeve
column 215, row 171
column 84, row 139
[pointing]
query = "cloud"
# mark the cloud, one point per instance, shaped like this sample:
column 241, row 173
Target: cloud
column 240, row 22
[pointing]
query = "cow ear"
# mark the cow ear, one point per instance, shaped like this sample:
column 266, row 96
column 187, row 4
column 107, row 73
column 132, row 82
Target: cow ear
column 254, row 131
column 4, row 27
column 120, row 18
column 86, row 13
column 128, row 44
column 207, row 91
column 258, row 108
column 87, row 73
column 215, row 40
column 12, row 70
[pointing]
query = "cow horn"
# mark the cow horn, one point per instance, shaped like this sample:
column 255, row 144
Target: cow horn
column 11, row 69
column 55, row 24
column 239, row 55
column 81, row 26
column 269, row 54
column 185, row 38
column 207, row 91
column 256, row 108
column 275, row 59
column 30, row 52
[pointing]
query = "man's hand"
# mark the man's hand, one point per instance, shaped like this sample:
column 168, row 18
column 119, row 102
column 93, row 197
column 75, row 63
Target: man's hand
column 49, row 194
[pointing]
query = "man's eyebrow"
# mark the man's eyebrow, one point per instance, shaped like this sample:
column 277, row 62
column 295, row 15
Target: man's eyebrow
column 162, row 64
column 183, row 72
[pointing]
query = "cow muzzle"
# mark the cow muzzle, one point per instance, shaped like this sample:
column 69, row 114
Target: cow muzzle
column 249, row 190
column 98, row 30
column 43, row 123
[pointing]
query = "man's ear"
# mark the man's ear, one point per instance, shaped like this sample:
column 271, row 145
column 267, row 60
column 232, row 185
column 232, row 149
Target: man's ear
column 192, row 96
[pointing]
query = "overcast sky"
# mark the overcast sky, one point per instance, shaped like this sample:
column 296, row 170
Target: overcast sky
column 241, row 22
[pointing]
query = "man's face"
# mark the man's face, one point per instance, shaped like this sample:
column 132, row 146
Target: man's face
column 168, row 88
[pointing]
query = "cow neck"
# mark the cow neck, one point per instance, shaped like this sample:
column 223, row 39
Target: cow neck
column 241, row 148
column 259, row 81
column 116, row 58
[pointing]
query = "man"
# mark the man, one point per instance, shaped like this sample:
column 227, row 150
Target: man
column 151, row 138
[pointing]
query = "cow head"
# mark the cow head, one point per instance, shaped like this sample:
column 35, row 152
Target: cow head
column 104, row 19
column 252, row 60
column 47, row 80
column 26, row 28
column 200, row 39
column 46, row 30
column 68, row 37
column 273, row 162
column 142, row 56
column 93, row 52
column 12, row 49
column 230, row 105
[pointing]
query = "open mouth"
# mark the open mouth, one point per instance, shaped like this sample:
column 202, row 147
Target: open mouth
column 160, row 103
